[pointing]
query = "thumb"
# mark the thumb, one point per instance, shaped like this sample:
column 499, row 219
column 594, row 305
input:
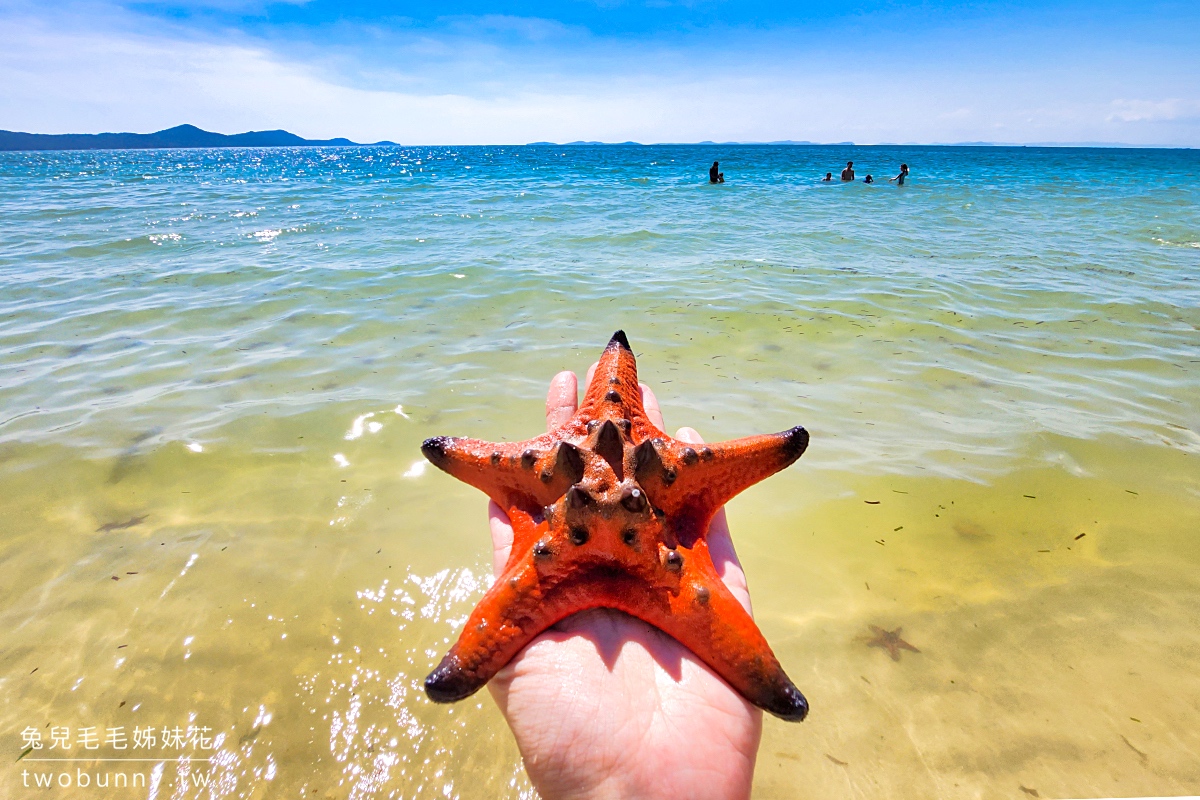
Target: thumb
column 502, row 537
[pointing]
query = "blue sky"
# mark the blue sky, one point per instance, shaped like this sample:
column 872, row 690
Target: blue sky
column 470, row 71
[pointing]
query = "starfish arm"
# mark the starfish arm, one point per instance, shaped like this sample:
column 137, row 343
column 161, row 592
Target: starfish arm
column 501, row 624
column 521, row 604
column 690, row 482
column 614, row 383
column 527, row 475
column 708, row 620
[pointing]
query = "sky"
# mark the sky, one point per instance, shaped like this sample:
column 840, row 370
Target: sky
column 494, row 72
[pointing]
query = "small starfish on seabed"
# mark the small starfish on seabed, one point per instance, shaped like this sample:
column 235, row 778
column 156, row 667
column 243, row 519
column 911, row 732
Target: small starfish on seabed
column 890, row 641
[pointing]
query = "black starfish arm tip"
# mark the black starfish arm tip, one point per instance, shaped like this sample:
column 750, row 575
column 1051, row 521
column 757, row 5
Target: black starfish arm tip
column 796, row 443
column 619, row 339
column 449, row 682
column 434, row 448
column 790, row 706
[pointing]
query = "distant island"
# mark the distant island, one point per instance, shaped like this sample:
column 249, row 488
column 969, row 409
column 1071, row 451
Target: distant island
column 179, row 136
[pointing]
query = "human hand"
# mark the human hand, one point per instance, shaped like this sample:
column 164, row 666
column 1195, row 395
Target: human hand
column 604, row 705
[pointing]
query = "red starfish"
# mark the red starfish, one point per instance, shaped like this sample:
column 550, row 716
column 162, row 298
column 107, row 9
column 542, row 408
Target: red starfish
column 610, row 512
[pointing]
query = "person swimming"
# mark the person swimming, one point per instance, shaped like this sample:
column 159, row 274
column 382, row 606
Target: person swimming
column 714, row 173
column 848, row 172
column 899, row 179
column 828, row 177
column 868, row 179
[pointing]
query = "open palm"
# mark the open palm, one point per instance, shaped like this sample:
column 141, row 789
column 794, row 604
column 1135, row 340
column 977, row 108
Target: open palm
column 604, row 705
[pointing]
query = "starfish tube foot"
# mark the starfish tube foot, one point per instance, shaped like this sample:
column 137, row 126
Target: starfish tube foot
column 608, row 511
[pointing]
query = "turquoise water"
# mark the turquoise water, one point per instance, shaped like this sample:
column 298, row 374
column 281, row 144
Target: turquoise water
column 1005, row 352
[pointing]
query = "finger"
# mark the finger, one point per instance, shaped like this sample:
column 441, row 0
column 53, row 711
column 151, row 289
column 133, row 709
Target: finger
column 650, row 403
column 562, row 399
column 591, row 372
column 720, row 543
column 502, row 537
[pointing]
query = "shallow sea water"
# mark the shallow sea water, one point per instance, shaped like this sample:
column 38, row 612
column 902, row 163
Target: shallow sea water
column 216, row 368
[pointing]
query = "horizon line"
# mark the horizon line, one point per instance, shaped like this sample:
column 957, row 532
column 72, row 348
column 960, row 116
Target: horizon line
column 803, row 143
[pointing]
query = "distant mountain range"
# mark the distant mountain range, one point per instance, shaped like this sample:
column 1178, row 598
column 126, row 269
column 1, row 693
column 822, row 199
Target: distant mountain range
column 191, row 136
column 179, row 136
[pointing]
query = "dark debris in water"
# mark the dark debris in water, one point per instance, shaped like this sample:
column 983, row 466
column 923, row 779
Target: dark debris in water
column 971, row 531
column 109, row 527
column 1141, row 756
column 127, row 460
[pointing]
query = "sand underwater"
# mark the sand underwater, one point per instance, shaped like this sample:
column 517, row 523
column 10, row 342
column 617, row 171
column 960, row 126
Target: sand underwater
column 216, row 368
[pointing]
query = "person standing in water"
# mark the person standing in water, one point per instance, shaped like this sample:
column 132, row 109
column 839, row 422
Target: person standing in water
column 899, row 179
column 848, row 172
column 828, row 178
column 714, row 173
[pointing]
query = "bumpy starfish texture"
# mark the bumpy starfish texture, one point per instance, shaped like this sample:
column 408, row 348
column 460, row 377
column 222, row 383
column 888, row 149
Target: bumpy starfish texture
column 610, row 512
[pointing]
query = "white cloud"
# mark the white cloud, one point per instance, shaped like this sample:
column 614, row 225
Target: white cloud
column 1154, row 110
